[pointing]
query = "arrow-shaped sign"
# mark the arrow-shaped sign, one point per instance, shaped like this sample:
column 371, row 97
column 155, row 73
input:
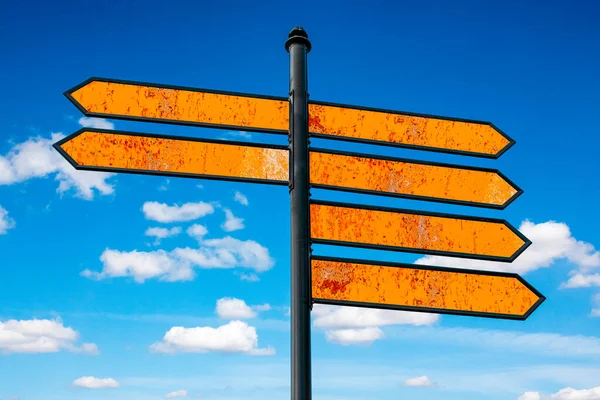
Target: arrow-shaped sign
column 147, row 102
column 111, row 151
column 412, row 231
column 118, row 151
column 414, row 179
column 111, row 98
column 403, row 129
column 422, row 288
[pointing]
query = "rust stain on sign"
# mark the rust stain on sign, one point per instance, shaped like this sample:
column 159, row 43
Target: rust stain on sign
column 410, row 179
column 122, row 151
column 414, row 288
column 179, row 105
column 336, row 223
column 136, row 101
column 382, row 127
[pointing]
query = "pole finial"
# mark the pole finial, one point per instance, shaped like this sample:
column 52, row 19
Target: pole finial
column 298, row 35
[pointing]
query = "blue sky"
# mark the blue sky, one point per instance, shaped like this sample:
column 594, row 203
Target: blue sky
column 218, row 329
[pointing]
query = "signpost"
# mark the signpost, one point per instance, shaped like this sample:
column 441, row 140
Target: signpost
column 330, row 280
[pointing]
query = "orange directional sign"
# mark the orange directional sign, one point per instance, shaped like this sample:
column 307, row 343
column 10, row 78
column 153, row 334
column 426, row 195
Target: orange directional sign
column 402, row 129
column 422, row 288
column 110, row 98
column 111, row 151
column 411, row 179
column 415, row 231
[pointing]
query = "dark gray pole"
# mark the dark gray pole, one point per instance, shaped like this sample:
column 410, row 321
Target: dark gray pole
column 298, row 46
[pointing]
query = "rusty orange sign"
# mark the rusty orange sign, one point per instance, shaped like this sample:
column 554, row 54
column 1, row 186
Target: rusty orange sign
column 113, row 151
column 411, row 179
column 111, row 98
column 139, row 101
column 411, row 130
column 422, row 288
column 415, row 231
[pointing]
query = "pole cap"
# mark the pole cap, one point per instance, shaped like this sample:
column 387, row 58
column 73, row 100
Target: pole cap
column 298, row 35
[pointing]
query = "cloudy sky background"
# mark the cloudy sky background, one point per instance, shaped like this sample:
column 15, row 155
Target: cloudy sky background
column 140, row 288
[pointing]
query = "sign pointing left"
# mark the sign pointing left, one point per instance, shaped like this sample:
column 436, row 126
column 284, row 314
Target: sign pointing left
column 111, row 151
column 146, row 102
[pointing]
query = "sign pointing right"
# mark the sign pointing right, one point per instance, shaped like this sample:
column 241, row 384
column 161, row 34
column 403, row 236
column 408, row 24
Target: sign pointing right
column 410, row 130
column 387, row 176
column 383, row 228
column 422, row 288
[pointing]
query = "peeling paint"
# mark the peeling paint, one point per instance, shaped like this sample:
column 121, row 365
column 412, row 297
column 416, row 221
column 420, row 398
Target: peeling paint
column 182, row 105
column 413, row 231
column 414, row 287
column 123, row 151
column 412, row 179
column 405, row 129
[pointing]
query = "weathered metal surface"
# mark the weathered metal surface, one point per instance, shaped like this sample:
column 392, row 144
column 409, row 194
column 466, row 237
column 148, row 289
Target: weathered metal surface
column 478, row 138
column 421, row 180
column 421, row 233
column 180, row 105
column 415, row 288
column 134, row 101
column 130, row 153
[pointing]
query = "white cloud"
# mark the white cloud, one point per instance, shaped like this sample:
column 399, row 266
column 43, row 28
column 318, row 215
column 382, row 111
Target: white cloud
column 88, row 348
column 326, row 316
column 355, row 325
column 514, row 341
column 249, row 277
column 551, row 241
column 232, row 223
column 179, row 264
column 197, row 231
column 40, row 336
column 177, row 393
column 6, row 222
column 98, row 123
column 422, row 381
column 234, row 252
column 232, row 308
column 530, row 396
column 262, row 307
column 234, row 337
column 578, row 280
column 142, row 266
column 240, row 198
column 91, row 382
column 162, row 233
column 574, row 394
column 36, row 158
column 354, row 336
column 161, row 212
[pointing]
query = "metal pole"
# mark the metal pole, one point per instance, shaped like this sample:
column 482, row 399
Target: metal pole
column 298, row 46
